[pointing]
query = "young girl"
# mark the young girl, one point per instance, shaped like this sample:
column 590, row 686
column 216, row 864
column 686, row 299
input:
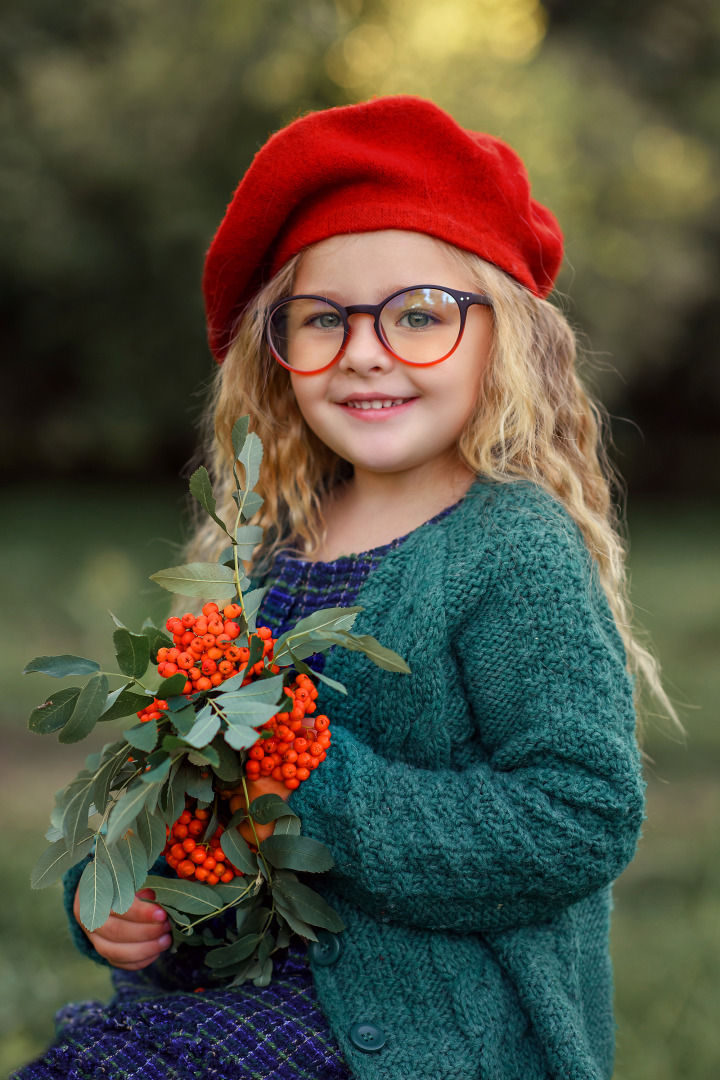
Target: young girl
column 376, row 300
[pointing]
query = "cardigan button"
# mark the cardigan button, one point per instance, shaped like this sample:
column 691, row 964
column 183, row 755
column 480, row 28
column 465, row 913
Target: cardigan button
column 367, row 1037
column 325, row 950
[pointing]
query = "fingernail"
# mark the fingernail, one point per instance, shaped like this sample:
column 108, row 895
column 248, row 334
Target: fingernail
column 159, row 915
column 164, row 941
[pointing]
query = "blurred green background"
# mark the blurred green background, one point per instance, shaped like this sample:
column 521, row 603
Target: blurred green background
column 124, row 129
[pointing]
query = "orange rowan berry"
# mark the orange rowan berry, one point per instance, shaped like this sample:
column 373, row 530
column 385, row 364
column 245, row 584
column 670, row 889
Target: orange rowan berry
column 323, row 756
column 302, row 774
column 266, row 766
column 231, row 628
column 256, row 752
column 186, row 638
column 264, row 632
column 168, row 669
column 216, row 679
column 210, row 608
column 297, row 713
column 227, row 876
column 185, row 818
column 189, row 845
column 232, row 654
column 203, row 684
column 270, row 745
column 186, row 868
column 208, row 640
column 185, row 661
column 174, row 625
column 201, row 873
column 303, row 760
column 292, row 783
column 199, row 855
column 197, row 647
column 209, row 667
column 321, row 722
column 210, row 863
column 161, row 704
column 188, row 620
column 310, row 706
column 179, row 831
column 300, row 744
column 214, row 653
column 177, row 851
column 225, row 667
column 194, row 674
column 289, row 757
column 288, row 771
column 223, row 641
column 231, row 611
column 162, row 655
column 202, row 815
column 244, row 653
column 219, row 854
column 212, row 879
column 316, row 750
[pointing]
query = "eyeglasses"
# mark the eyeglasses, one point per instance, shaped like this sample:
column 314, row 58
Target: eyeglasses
column 421, row 326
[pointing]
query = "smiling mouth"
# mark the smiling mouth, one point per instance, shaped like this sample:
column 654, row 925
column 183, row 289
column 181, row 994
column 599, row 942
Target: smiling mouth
column 375, row 403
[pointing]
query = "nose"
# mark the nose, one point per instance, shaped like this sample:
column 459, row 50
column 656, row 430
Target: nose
column 364, row 352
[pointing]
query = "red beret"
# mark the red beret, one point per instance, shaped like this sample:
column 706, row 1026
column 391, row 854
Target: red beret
column 390, row 163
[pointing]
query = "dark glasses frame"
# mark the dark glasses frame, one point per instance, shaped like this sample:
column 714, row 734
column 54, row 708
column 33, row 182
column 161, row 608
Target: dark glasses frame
column 464, row 300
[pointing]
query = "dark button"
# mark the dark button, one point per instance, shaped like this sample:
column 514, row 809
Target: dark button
column 367, row 1037
column 325, row 950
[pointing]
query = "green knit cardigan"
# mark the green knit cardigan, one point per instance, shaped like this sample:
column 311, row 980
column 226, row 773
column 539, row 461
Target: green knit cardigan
column 479, row 809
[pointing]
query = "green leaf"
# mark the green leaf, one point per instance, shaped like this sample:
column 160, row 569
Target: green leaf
column 286, row 825
column 251, row 606
column 365, row 643
column 150, row 830
column 267, row 808
column 128, row 807
column 183, row 719
column 133, row 852
column 95, row 894
column 56, row 711
column 230, row 954
column 295, row 922
column 197, row 786
column 172, row 796
column 60, row 666
column 114, row 756
column 297, row 663
column 192, row 897
column 208, row 580
column 171, row 687
column 308, row 904
column 204, row 729
column 122, row 879
column 268, row 690
column 87, row 710
column 159, row 763
column 132, row 651
column 296, row 853
column 201, row 488
column 238, row 852
column 239, row 434
column 250, row 458
column 123, row 702
column 157, row 639
column 337, row 618
column 143, row 736
column 239, row 735
column 249, row 502
column 207, row 756
column 58, row 858
column 230, row 767
column 75, row 804
column 248, row 538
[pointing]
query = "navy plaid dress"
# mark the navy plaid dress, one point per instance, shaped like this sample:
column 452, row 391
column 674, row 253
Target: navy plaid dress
column 162, row 1024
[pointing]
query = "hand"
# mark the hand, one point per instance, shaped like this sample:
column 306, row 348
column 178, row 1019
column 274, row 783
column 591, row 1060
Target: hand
column 264, row 785
column 132, row 940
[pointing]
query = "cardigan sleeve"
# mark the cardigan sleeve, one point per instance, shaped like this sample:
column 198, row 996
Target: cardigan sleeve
column 547, row 809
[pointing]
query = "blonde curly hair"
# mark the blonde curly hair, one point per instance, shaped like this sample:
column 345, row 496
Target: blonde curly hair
column 533, row 420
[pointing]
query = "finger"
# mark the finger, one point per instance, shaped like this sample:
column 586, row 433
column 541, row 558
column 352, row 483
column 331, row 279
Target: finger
column 142, row 911
column 141, row 953
column 118, row 929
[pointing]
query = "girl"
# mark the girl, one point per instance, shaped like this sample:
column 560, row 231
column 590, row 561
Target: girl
column 376, row 297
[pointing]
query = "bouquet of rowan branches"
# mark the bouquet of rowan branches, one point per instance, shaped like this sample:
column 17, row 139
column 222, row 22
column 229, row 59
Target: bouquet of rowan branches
column 219, row 703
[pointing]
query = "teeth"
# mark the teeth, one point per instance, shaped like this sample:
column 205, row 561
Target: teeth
column 377, row 404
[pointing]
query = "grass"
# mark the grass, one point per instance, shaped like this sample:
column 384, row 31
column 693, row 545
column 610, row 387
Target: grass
column 71, row 555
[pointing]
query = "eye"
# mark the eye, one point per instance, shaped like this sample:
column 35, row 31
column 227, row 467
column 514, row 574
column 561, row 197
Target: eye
column 325, row 320
column 417, row 319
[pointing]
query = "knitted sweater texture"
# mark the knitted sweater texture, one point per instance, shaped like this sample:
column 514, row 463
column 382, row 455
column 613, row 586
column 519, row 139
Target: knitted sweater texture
column 479, row 809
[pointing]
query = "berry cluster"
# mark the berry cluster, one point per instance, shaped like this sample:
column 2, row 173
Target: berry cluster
column 203, row 648
column 291, row 751
column 192, row 857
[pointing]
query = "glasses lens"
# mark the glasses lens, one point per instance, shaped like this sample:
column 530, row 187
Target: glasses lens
column 306, row 333
column 421, row 325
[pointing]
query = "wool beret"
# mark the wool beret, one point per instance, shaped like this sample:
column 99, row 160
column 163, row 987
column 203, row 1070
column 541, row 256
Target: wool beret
column 395, row 162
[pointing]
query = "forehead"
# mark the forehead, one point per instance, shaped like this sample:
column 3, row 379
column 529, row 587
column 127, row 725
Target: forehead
column 366, row 267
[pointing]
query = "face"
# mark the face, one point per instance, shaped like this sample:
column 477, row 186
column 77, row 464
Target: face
column 424, row 409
